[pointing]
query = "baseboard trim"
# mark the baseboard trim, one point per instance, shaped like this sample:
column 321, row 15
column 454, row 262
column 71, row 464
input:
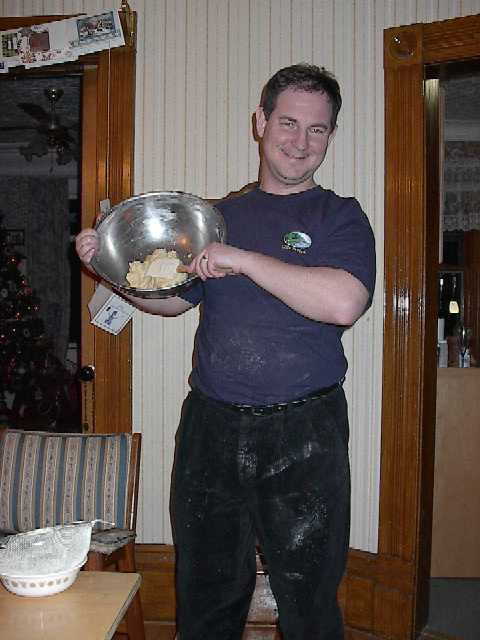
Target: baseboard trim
column 376, row 596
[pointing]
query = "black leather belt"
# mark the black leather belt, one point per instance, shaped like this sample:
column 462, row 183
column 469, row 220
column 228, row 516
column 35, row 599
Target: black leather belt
column 268, row 409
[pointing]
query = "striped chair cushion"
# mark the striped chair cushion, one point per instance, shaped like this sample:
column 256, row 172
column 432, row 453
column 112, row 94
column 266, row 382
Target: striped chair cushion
column 52, row 478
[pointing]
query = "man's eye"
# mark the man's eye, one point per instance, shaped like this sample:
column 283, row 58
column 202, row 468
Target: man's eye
column 288, row 124
column 318, row 130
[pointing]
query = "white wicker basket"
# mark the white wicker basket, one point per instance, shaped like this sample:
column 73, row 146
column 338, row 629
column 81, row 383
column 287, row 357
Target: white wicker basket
column 39, row 586
column 44, row 561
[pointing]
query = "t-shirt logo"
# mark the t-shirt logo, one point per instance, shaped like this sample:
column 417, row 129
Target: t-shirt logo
column 297, row 241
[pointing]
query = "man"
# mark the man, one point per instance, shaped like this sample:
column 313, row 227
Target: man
column 262, row 447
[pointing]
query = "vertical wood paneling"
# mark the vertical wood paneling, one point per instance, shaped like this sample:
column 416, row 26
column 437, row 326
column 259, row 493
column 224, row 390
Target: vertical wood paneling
column 344, row 41
column 89, row 6
column 260, row 62
column 166, row 387
column 196, row 80
column 365, row 442
column 200, row 67
column 150, row 100
column 280, row 34
column 217, row 99
column 153, row 418
column 240, row 109
column 410, row 10
column 175, row 99
column 449, row 8
column 376, row 313
column 469, row 7
column 427, row 10
column 302, row 35
column 323, row 19
column 343, row 183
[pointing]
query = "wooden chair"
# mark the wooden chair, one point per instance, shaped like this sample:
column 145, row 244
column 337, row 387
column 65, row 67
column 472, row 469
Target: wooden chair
column 58, row 478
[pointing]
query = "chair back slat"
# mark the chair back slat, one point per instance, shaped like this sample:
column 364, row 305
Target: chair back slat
column 55, row 478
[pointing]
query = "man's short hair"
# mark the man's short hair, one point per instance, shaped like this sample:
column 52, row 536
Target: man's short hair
column 302, row 77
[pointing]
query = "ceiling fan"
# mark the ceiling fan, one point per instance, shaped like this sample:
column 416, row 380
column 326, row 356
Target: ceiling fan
column 51, row 134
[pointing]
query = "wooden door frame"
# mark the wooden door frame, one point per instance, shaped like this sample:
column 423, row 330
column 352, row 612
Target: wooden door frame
column 107, row 171
column 408, row 422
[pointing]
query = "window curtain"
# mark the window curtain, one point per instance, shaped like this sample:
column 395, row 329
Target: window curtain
column 461, row 186
column 39, row 207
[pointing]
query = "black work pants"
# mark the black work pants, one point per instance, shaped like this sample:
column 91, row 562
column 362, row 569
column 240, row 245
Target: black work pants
column 282, row 479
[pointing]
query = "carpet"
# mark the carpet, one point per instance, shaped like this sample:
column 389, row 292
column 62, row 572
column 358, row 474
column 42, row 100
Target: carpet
column 455, row 607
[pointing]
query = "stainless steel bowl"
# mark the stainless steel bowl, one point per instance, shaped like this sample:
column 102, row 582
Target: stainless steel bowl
column 134, row 228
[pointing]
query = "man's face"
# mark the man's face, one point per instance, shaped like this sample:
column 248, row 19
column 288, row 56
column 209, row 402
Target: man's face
column 294, row 140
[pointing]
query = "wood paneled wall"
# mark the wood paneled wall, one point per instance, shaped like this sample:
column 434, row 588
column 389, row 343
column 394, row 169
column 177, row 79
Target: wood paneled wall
column 201, row 67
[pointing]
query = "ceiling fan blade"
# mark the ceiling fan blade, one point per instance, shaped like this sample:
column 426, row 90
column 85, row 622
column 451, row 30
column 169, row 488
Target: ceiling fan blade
column 34, row 110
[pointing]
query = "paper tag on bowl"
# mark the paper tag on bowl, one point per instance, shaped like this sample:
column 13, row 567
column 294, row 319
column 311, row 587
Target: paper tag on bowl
column 108, row 311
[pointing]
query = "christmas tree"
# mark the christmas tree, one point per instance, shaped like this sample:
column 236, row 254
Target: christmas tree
column 36, row 390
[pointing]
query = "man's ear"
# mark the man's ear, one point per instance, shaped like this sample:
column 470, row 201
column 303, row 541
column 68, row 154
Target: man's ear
column 331, row 135
column 260, row 121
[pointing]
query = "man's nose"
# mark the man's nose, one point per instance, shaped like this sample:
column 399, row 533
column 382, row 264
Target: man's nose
column 301, row 139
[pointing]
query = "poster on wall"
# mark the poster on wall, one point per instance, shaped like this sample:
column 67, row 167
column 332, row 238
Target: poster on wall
column 60, row 41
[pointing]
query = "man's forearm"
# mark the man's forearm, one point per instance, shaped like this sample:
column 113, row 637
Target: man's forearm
column 323, row 294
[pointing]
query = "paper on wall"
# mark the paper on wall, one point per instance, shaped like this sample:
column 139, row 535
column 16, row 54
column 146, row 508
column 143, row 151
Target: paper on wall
column 60, row 41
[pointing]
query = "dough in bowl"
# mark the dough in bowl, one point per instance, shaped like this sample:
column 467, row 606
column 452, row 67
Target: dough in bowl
column 157, row 271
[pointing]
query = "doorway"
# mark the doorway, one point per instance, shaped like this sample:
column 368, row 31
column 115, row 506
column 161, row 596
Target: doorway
column 106, row 171
column 40, row 159
column 454, row 584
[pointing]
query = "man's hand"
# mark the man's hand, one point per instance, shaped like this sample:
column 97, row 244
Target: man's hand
column 216, row 261
column 87, row 244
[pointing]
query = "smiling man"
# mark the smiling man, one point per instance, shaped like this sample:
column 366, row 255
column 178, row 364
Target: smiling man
column 295, row 138
column 262, row 447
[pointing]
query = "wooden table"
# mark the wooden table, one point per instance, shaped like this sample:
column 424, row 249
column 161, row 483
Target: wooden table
column 91, row 609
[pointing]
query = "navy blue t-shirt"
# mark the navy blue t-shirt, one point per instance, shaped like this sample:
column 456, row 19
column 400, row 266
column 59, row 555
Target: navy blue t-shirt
column 250, row 347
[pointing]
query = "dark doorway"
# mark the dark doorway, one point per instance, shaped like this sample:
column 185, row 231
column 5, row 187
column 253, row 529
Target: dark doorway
column 454, row 585
column 40, row 134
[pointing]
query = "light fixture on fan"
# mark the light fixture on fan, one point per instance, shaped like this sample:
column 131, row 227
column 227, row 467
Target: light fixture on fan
column 51, row 135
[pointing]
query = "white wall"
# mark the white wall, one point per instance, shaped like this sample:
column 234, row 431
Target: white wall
column 200, row 68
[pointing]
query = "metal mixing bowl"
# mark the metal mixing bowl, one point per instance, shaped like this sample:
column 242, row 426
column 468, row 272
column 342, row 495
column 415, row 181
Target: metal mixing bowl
column 134, row 228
